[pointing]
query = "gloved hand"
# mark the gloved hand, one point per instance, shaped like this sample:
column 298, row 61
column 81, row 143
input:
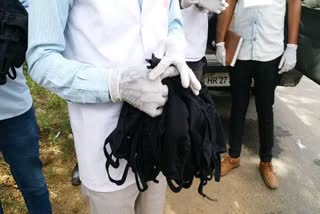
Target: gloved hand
column 188, row 3
column 173, row 63
column 221, row 53
column 289, row 59
column 216, row 6
column 133, row 86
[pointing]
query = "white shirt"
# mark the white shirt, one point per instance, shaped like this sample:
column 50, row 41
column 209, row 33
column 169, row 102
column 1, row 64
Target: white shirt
column 195, row 26
column 262, row 28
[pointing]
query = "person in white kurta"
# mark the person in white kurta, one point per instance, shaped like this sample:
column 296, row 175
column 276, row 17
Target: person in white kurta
column 92, row 54
column 195, row 26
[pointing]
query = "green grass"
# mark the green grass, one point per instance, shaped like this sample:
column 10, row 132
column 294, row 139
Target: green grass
column 52, row 114
column 55, row 141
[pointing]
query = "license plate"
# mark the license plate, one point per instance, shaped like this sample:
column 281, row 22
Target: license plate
column 217, row 80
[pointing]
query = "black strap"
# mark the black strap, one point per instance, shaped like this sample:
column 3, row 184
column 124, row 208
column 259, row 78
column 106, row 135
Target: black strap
column 187, row 184
column 14, row 73
column 124, row 176
column 114, row 164
column 140, row 181
column 173, row 187
column 109, row 160
column 200, row 190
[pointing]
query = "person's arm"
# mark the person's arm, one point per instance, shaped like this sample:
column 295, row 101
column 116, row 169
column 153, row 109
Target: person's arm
column 175, row 29
column 294, row 13
column 224, row 20
column 289, row 58
column 71, row 80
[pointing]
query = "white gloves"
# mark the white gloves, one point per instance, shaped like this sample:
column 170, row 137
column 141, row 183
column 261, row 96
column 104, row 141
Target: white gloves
column 188, row 3
column 174, row 56
column 289, row 59
column 221, row 53
column 216, row 6
column 133, row 86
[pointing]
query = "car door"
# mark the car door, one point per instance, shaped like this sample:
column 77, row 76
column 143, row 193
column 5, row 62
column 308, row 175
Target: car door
column 309, row 41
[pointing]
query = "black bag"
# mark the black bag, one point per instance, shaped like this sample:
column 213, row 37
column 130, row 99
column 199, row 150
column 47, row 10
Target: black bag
column 13, row 38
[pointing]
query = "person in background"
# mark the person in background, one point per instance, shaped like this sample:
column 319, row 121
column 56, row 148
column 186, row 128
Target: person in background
column 96, row 64
column 195, row 26
column 263, row 58
column 19, row 142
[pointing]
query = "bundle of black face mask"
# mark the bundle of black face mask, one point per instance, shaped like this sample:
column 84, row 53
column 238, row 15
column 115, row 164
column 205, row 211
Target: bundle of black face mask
column 184, row 143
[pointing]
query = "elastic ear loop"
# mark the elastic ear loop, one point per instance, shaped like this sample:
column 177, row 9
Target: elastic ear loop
column 124, row 176
column 141, row 184
column 187, row 184
column 204, row 181
column 114, row 164
column 216, row 160
column 180, row 184
column 140, row 181
column 174, row 188
column 14, row 73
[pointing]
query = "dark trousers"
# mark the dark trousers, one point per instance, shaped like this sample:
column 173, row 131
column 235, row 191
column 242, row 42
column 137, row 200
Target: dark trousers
column 265, row 76
column 20, row 149
column 197, row 67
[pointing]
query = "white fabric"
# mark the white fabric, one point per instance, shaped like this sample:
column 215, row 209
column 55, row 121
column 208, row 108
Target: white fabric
column 108, row 34
column 262, row 28
column 216, row 6
column 253, row 3
column 91, row 124
column 15, row 97
column 195, row 26
column 289, row 59
column 188, row 3
column 135, row 87
column 221, row 53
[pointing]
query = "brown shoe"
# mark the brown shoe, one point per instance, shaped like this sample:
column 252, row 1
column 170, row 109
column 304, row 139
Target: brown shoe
column 268, row 175
column 228, row 164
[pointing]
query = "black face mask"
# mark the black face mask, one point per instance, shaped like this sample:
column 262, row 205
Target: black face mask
column 183, row 143
column 13, row 38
